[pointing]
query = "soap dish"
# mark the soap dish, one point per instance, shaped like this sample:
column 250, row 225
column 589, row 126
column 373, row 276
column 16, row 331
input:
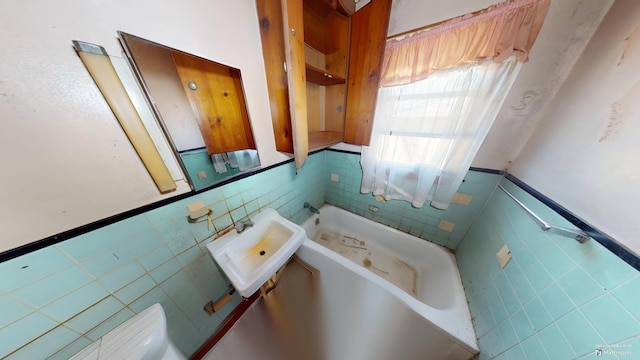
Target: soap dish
column 199, row 219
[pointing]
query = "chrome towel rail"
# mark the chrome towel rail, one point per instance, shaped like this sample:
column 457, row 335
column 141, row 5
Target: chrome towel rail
column 579, row 235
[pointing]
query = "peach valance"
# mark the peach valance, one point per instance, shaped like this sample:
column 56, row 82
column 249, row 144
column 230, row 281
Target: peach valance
column 497, row 32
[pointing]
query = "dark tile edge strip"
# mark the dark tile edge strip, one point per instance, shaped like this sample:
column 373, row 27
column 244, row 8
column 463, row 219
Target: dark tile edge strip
column 66, row 235
column 192, row 149
column 602, row 238
column 488, row 171
column 343, row 151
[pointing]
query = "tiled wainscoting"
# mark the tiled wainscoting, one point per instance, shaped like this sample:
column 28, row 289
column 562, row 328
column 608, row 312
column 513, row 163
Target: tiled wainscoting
column 443, row 227
column 57, row 300
column 556, row 299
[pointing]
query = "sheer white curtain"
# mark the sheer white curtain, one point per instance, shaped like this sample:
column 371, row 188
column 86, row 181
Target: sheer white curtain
column 427, row 133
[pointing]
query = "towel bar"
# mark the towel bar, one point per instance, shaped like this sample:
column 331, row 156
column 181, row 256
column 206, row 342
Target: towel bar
column 578, row 235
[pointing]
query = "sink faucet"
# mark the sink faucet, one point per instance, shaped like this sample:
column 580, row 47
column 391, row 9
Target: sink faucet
column 243, row 225
column 311, row 208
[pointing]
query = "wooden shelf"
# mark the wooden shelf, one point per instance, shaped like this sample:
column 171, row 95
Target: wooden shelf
column 324, row 27
column 323, row 139
column 320, row 77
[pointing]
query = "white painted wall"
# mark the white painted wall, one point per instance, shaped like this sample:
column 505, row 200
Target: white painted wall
column 65, row 160
column 584, row 154
column 567, row 29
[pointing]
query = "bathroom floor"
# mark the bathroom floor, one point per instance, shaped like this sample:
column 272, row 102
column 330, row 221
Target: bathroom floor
column 283, row 325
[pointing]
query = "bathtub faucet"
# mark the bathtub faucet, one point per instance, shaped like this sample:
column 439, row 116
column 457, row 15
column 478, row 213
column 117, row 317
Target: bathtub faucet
column 311, row 208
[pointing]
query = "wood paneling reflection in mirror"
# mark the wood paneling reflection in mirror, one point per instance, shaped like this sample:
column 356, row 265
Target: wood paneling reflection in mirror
column 216, row 97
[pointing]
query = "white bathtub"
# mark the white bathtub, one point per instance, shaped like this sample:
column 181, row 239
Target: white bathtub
column 361, row 307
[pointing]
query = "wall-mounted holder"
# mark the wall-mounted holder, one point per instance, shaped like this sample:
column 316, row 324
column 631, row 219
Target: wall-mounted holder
column 578, row 235
column 202, row 218
column 212, row 307
column 198, row 212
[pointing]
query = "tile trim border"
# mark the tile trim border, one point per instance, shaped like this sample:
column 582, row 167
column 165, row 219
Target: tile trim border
column 66, row 235
column 605, row 240
column 597, row 235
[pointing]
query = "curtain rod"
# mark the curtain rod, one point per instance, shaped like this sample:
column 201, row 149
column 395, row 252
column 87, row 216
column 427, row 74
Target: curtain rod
column 483, row 11
column 427, row 27
column 421, row 28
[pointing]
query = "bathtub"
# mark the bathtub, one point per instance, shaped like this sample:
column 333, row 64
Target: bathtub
column 366, row 315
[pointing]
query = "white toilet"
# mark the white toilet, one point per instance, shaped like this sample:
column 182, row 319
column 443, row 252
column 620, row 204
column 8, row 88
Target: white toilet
column 143, row 337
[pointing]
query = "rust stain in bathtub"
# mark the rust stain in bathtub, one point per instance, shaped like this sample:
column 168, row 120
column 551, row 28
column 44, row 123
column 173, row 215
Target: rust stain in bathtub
column 414, row 290
column 614, row 122
column 619, row 112
column 630, row 44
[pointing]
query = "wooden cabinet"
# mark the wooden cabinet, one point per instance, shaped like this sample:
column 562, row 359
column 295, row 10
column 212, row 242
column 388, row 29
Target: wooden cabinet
column 322, row 67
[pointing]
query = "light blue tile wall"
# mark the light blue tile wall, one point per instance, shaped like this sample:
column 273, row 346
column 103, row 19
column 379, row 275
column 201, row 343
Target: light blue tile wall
column 57, row 300
column 556, row 299
column 199, row 160
column 401, row 215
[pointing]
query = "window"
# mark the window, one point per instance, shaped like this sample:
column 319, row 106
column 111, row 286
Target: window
column 427, row 133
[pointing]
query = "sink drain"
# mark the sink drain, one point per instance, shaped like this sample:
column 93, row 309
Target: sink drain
column 262, row 252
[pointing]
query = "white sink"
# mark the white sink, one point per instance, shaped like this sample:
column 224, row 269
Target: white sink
column 249, row 259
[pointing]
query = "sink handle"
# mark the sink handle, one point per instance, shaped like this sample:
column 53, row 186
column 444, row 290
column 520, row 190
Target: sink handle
column 244, row 225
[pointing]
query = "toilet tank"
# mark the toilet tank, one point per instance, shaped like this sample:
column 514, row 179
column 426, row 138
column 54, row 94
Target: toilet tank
column 143, row 337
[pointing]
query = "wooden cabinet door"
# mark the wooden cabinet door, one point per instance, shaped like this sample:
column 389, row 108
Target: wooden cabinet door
column 217, row 100
column 283, row 53
column 296, row 76
column 273, row 52
column 368, row 37
column 283, row 47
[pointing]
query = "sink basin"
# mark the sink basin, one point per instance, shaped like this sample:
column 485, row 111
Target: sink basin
column 249, row 259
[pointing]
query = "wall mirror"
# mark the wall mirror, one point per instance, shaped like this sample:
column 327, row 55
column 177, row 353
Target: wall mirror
column 200, row 105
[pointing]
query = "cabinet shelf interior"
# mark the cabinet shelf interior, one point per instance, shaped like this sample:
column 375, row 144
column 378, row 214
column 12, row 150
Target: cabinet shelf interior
column 321, row 77
column 323, row 139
